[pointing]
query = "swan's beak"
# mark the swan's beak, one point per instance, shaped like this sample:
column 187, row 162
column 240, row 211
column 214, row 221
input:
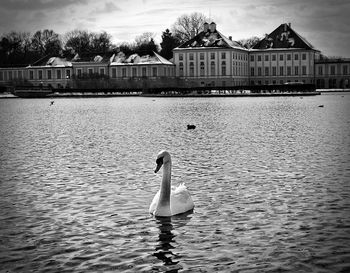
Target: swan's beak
column 159, row 164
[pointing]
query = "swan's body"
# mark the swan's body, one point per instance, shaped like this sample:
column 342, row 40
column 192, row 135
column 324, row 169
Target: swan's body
column 169, row 200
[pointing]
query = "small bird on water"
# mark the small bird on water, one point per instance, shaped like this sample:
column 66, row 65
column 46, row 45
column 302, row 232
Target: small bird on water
column 191, row 126
column 52, row 102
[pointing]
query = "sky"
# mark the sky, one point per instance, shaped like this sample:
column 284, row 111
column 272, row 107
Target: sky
column 324, row 23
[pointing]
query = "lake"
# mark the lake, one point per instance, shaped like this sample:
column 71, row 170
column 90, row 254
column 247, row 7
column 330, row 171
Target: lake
column 270, row 179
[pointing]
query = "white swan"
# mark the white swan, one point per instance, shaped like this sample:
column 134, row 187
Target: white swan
column 168, row 200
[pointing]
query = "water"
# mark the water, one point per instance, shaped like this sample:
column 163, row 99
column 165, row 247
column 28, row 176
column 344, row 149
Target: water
column 270, row 179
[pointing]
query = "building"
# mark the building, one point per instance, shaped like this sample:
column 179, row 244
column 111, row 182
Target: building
column 282, row 56
column 332, row 73
column 212, row 59
column 90, row 70
column 50, row 71
column 207, row 59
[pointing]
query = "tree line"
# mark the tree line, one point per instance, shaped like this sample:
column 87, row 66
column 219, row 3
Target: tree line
column 23, row 48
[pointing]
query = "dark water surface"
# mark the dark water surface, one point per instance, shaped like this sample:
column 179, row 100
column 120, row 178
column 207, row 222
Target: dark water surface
column 270, row 179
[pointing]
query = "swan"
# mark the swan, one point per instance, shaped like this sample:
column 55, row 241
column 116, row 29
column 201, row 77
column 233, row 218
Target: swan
column 169, row 201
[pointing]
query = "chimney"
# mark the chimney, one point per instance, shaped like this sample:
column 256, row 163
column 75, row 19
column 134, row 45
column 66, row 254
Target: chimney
column 290, row 25
column 206, row 27
column 285, row 27
column 230, row 37
column 212, row 27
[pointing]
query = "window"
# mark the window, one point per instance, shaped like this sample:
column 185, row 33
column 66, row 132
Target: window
column 123, row 72
column 345, row 70
column 40, row 74
column 296, row 57
column 67, row 74
column 259, row 58
column 49, row 75
column 281, row 70
column 259, row 71
column 303, row 56
column 212, row 56
column 134, row 72
column 223, row 68
column 289, row 57
column 181, row 69
column 202, row 68
column 289, row 70
column 320, row 70
column 10, row 75
column 212, row 68
column 223, row 55
column 90, row 71
column 181, row 57
column 252, row 58
column 114, row 72
column 102, row 71
column 266, row 58
column 201, row 56
column 31, row 74
column 303, row 68
column 266, row 71
column 332, row 70
column 1, row 76
column 144, row 72
column 191, row 69
column 20, row 74
column 274, row 57
column 252, row 71
column 58, row 74
column 191, row 56
column 154, row 71
column 296, row 70
column 274, row 71
column 281, row 57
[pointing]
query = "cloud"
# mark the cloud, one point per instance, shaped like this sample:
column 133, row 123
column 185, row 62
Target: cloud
column 108, row 8
column 38, row 4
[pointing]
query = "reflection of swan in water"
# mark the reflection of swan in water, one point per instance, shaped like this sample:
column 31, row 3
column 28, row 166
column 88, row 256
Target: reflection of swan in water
column 169, row 201
column 166, row 246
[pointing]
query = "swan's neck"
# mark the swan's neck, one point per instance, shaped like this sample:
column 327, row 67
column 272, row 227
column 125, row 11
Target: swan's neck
column 163, row 208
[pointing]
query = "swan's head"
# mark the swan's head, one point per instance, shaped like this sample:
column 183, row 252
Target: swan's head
column 162, row 158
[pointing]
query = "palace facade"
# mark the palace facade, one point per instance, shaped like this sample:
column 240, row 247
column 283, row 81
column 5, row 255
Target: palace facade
column 207, row 59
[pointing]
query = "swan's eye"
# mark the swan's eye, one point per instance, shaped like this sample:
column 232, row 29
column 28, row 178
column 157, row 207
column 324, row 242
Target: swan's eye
column 159, row 161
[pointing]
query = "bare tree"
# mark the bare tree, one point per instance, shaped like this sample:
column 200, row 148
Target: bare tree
column 46, row 42
column 185, row 24
column 144, row 38
column 250, row 42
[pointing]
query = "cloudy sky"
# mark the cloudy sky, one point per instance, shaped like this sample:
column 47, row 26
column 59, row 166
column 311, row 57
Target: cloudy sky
column 324, row 23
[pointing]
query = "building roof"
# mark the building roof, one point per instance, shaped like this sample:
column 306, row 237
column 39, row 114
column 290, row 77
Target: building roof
column 284, row 37
column 52, row 61
column 121, row 59
column 210, row 38
column 92, row 57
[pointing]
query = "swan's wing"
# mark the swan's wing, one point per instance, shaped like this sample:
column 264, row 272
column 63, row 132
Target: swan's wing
column 180, row 200
column 152, row 207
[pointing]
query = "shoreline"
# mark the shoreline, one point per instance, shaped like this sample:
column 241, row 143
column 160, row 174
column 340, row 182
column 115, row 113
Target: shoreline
column 34, row 94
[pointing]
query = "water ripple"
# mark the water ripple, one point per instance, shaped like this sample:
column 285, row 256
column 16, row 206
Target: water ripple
column 269, row 178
